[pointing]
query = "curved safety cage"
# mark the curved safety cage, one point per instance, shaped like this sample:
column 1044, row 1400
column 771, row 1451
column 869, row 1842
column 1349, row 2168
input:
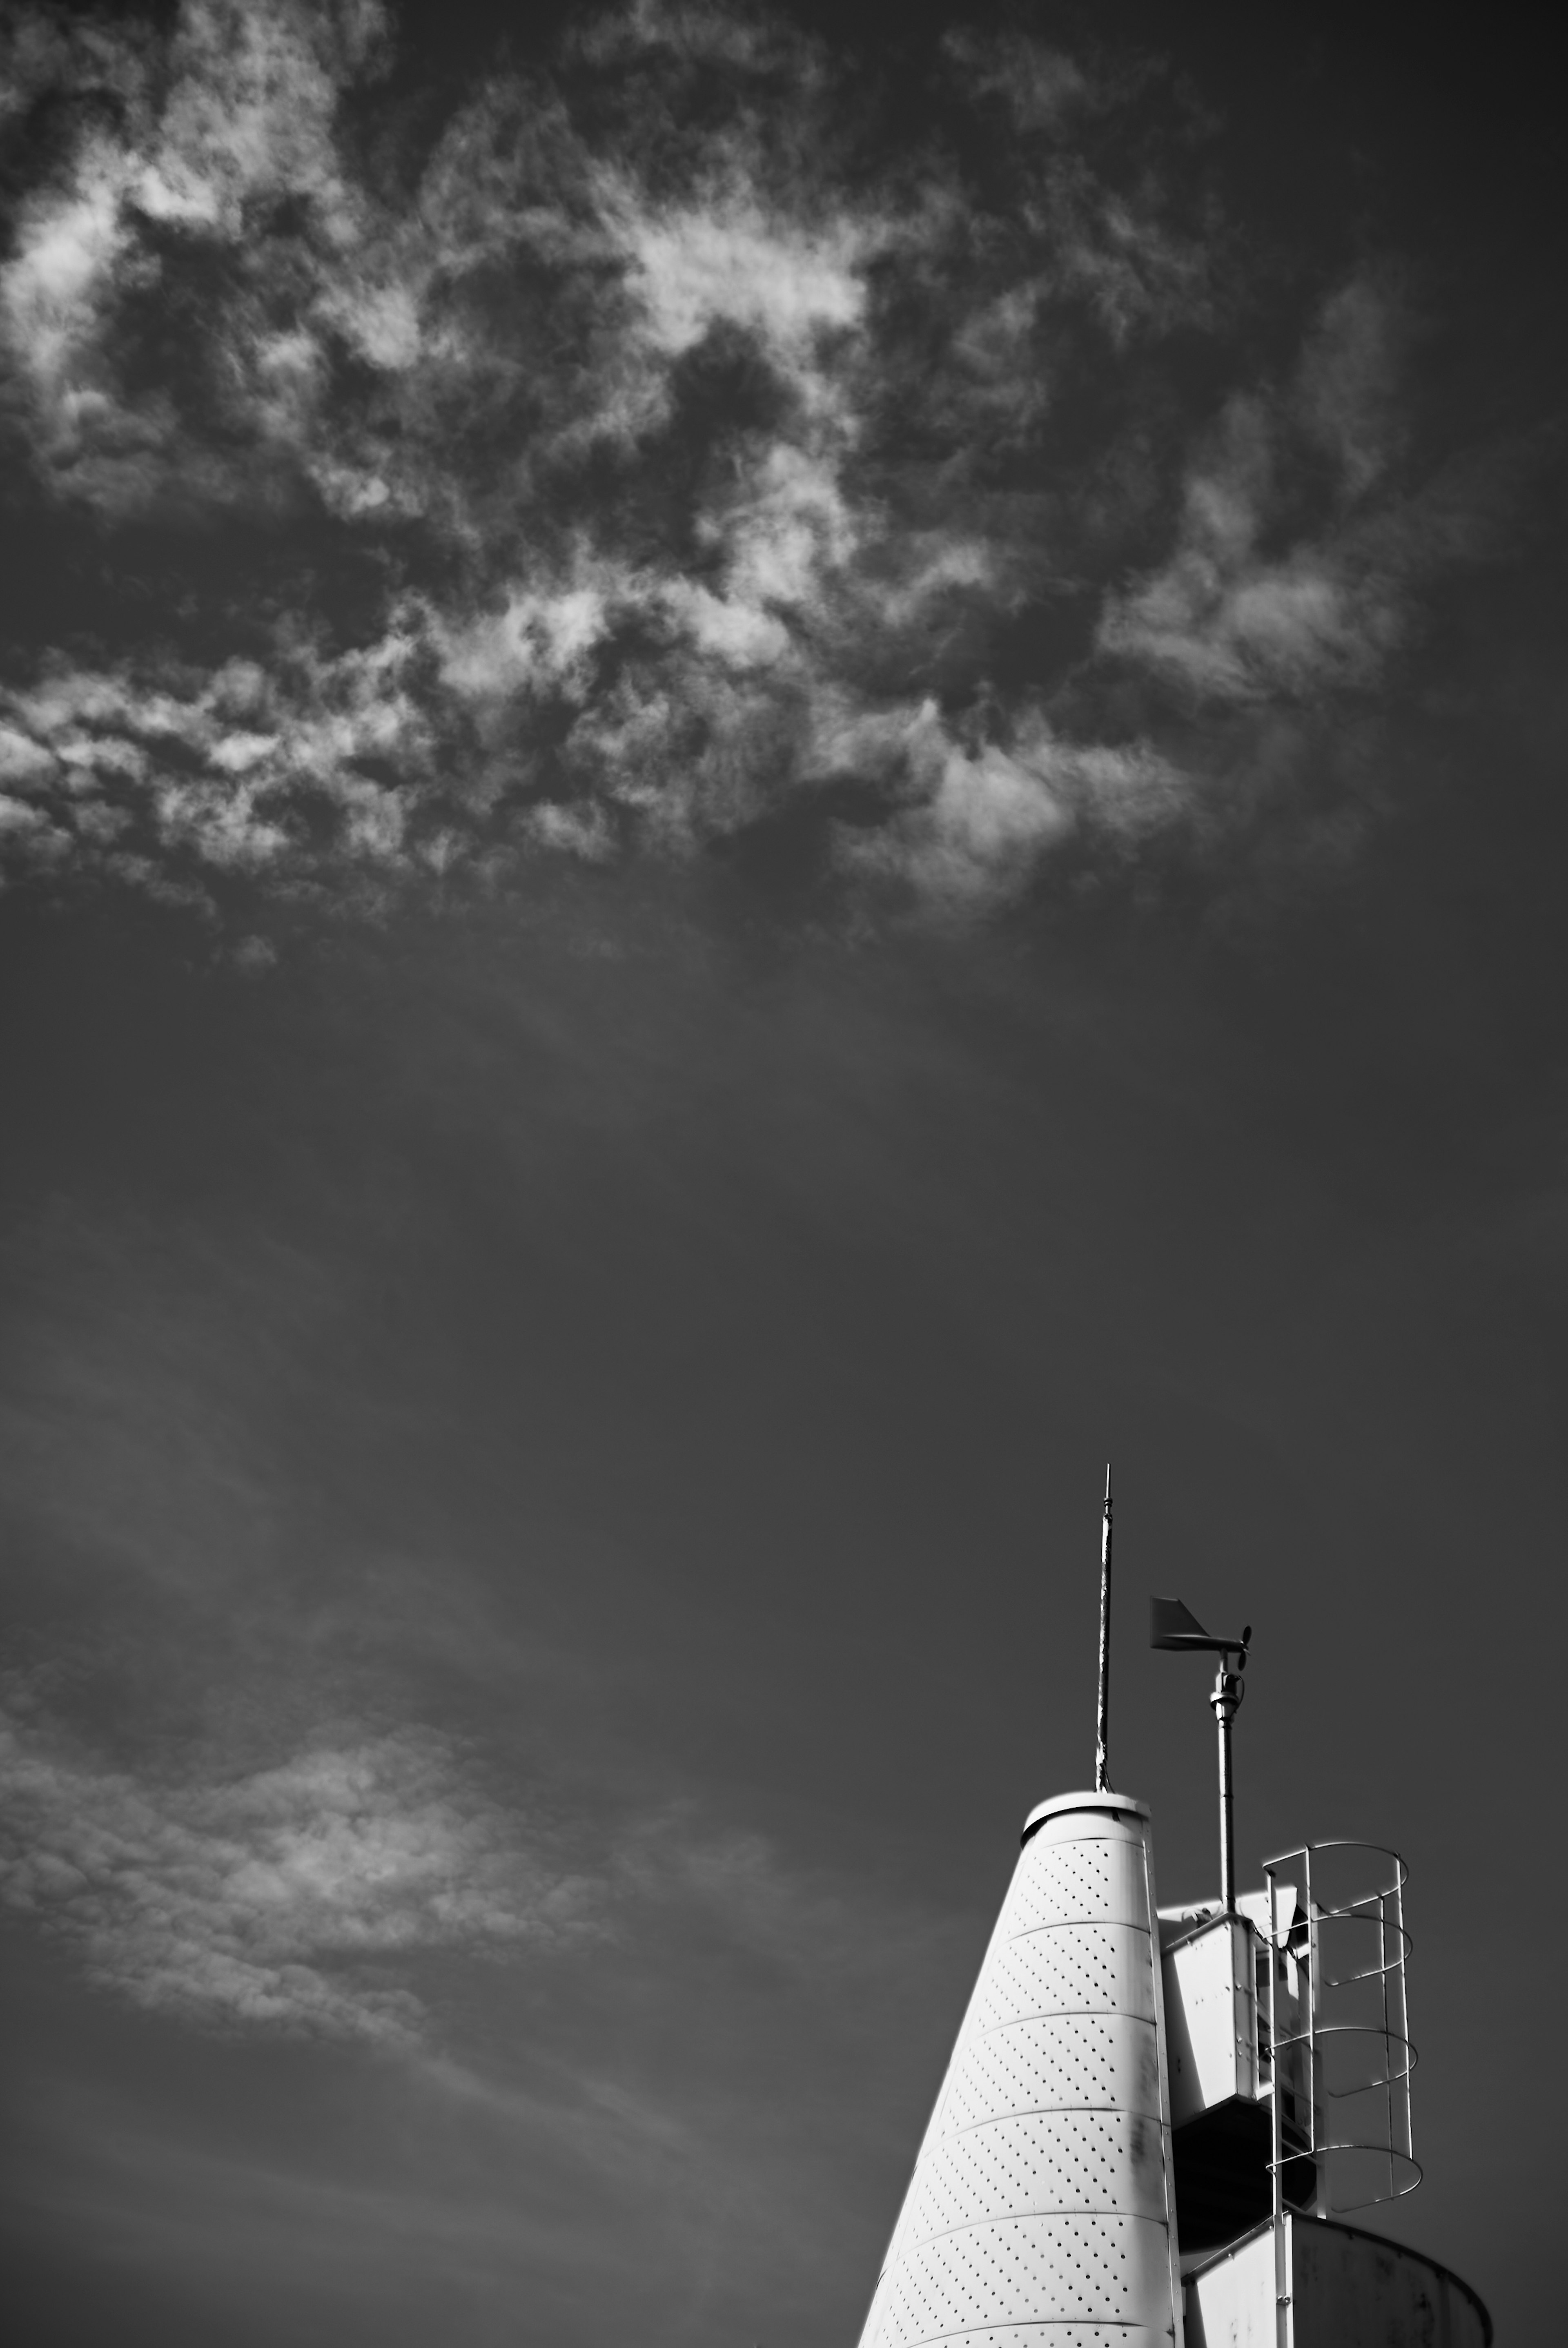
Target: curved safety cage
column 1340, row 2056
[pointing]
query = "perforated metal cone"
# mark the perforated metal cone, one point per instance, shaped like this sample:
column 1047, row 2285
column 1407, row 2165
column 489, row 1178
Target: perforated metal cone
column 1040, row 2212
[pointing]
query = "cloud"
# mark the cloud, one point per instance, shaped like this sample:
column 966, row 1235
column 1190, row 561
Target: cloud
column 1347, row 389
column 983, row 813
column 1273, row 590
column 559, row 486
column 646, row 2136
column 285, row 1897
column 311, row 1898
column 725, row 261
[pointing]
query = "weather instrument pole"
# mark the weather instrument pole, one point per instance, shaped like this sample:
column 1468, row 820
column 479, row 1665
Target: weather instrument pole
column 1102, row 1716
column 1225, row 1698
column 1171, row 1626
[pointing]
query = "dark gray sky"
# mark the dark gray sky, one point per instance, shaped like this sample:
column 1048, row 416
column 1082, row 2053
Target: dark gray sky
column 762, row 777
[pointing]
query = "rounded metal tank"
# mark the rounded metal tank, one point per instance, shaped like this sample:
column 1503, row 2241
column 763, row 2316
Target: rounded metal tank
column 1040, row 2212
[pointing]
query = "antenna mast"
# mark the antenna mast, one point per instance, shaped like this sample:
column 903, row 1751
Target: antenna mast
column 1103, row 1717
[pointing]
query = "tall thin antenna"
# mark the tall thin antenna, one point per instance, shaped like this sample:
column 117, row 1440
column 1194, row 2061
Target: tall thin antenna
column 1103, row 1717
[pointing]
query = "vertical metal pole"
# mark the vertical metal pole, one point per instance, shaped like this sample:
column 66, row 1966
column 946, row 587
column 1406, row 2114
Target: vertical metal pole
column 1103, row 1715
column 1281, row 2277
column 1226, row 1701
column 1319, row 2182
column 1409, row 2144
column 1387, row 2043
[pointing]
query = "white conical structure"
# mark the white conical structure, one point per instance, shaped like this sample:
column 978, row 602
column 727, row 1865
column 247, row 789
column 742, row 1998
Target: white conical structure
column 1041, row 2212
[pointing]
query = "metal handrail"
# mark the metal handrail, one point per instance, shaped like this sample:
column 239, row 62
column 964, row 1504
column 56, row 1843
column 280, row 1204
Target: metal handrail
column 1360, row 2030
column 1379, row 2151
column 1347, row 1981
column 1381, row 1911
column 1342, row 1842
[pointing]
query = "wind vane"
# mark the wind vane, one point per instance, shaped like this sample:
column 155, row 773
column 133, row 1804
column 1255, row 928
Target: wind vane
column 1172, row 1626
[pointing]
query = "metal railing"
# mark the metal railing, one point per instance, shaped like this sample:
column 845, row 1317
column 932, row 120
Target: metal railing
column 1343, row 2057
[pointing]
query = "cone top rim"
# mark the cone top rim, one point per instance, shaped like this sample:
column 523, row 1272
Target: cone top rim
column 1057, row 1803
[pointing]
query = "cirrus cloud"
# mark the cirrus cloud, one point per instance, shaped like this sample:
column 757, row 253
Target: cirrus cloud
column 285, row 1897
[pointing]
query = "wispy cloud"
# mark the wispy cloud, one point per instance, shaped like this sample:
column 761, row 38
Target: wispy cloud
column 676, row 413
column 271, row 1897
column 1272, row 588
column 314, row 1898
column 667, row 2181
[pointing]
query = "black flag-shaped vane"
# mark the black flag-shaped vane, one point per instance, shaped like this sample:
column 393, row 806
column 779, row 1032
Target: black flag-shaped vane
column 1171, row 1625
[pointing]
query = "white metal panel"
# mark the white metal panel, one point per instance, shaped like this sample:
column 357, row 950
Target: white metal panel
column 1066, row 2335
column 1076, row 1878
column 1082, row 2269
column 1211, row 2018
column 1053, row 2161
column 1039, row 2211
column 1231, row 2304
column 1079, row 1968
column 1253, row 1906
column 1054, row 2063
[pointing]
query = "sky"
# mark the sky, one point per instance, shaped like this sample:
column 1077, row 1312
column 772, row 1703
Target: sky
column 763, row 777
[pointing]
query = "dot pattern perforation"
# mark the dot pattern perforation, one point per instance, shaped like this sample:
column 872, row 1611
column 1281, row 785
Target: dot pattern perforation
column 1088, row 1880
column 1037, row 2209
column 1047, row 2163
column 1027, row 2269
column 1068, row 1969
column 1067, row 2335
column 1089, row 2061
